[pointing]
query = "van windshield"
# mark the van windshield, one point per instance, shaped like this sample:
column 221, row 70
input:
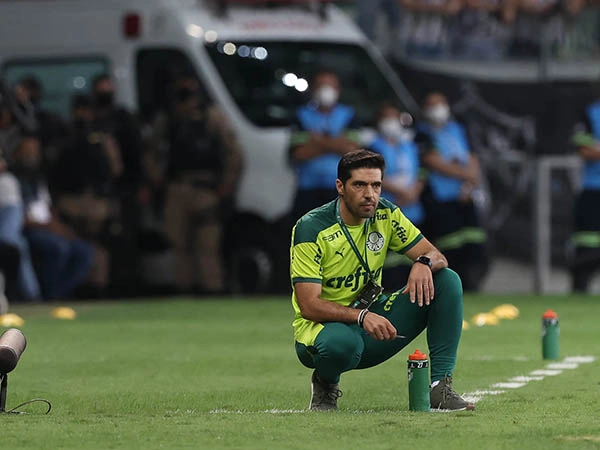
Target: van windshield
column 270, row 80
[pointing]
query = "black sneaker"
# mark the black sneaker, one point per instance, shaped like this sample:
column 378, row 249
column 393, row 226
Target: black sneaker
column 443, row 398
column 324, row 395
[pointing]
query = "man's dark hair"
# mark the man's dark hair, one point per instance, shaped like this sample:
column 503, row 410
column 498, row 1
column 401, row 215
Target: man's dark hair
column 359, row 159
column 31, row 83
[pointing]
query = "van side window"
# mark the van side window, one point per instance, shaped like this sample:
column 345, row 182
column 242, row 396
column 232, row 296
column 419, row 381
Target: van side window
column 155, row 69
column 270, row 80
column 60, row 79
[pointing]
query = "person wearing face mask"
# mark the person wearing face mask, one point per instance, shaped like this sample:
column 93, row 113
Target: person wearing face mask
column 84, row 183
column 454, row 174
column 114, row 120
column 62, row 260
column 34, row 118
column 197, row 159
column 403, row 182
column 325, row 129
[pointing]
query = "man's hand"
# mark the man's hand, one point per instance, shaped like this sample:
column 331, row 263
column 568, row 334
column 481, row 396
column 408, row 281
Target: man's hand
column 420, row 284
column 378, row 327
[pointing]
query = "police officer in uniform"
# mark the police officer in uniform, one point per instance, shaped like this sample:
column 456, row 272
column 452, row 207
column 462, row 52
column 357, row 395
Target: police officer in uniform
column 203, row 164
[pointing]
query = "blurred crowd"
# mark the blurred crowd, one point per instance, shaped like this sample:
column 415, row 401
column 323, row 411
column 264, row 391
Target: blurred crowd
column 78, row 197
column 482, row 29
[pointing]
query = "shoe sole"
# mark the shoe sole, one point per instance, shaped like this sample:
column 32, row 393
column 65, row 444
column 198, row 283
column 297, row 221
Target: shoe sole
column 469, row 407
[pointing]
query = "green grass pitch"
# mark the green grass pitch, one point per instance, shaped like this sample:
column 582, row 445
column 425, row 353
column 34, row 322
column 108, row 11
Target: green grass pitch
column 222, row 374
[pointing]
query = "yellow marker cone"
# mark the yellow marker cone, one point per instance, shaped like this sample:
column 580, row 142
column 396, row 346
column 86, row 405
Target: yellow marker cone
column 506, row 311
column 482, row 319
column 63, row 312
column 465, row 325
column 11, row 320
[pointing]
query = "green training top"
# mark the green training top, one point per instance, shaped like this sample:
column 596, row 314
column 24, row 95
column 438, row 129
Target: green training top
column 320, row 253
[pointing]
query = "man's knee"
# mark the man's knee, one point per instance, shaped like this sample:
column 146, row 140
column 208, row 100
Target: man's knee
column 340, row 344
column 448, row 281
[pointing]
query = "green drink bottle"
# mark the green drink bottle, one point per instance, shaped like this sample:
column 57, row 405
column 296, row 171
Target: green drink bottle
column 418, row 382
column 550, row 335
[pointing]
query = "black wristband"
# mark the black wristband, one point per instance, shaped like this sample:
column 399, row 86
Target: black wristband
column 361, row 317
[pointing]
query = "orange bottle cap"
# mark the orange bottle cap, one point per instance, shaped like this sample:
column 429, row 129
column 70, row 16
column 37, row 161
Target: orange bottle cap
column 549, row 314
column 417, row 355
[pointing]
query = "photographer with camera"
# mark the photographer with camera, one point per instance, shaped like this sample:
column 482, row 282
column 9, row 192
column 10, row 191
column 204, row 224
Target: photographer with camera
column 342, row 321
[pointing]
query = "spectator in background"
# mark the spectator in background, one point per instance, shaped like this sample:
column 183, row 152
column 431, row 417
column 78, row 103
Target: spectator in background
column 116, row 121
column 18, row 275
column 11, row 204
column 454, row 174
column 403, row 183
column 50, row 128
column 62, row 259
column 325, row 129
column 541, row 22
column 10, row 131
column 425, row 28
column 586, row 238
column 84, row 184
column 203, row 164
column 484, row 29
column 368, row 11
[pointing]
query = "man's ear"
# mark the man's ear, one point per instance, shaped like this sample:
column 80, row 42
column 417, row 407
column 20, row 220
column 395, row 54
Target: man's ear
column 340, row 187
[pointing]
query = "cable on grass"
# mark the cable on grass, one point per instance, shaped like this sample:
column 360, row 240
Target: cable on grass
column 15, row 410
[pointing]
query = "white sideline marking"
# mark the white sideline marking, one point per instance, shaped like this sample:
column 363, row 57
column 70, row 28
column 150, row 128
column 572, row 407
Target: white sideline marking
column 580, row 359
column 509, row 385
column 524, row 379
column 570, row 362
column 546, row 372
column 563, row 365
column 266, row 411
column 475, row 396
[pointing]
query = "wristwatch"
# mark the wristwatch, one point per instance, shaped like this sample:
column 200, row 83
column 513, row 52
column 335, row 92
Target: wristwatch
column 424, row 260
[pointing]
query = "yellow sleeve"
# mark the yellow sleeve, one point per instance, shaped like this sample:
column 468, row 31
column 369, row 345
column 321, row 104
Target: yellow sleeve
column 405, row 235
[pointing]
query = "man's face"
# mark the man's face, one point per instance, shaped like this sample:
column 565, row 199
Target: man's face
column 105, row 86
column 361, row 192
column 326, row 90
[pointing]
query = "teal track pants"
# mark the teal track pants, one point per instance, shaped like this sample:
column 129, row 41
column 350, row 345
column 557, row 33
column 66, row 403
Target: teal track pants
column 341, row 347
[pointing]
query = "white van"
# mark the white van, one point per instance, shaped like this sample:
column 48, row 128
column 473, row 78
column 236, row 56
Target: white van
column 255, row 61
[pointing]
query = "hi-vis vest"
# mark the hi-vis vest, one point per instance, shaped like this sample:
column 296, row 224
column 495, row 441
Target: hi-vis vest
column 321, row 172
column 451, row 143
column 591, row 169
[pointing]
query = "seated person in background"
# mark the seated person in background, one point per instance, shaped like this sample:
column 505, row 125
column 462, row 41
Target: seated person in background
column 402, row 184
column 62, row 259
column 19, row 276
column 325, row 130
column 454, row 174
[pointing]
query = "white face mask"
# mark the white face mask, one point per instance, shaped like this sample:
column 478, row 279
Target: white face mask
column 391, row 128
column 326, row 96
column 438, row 114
